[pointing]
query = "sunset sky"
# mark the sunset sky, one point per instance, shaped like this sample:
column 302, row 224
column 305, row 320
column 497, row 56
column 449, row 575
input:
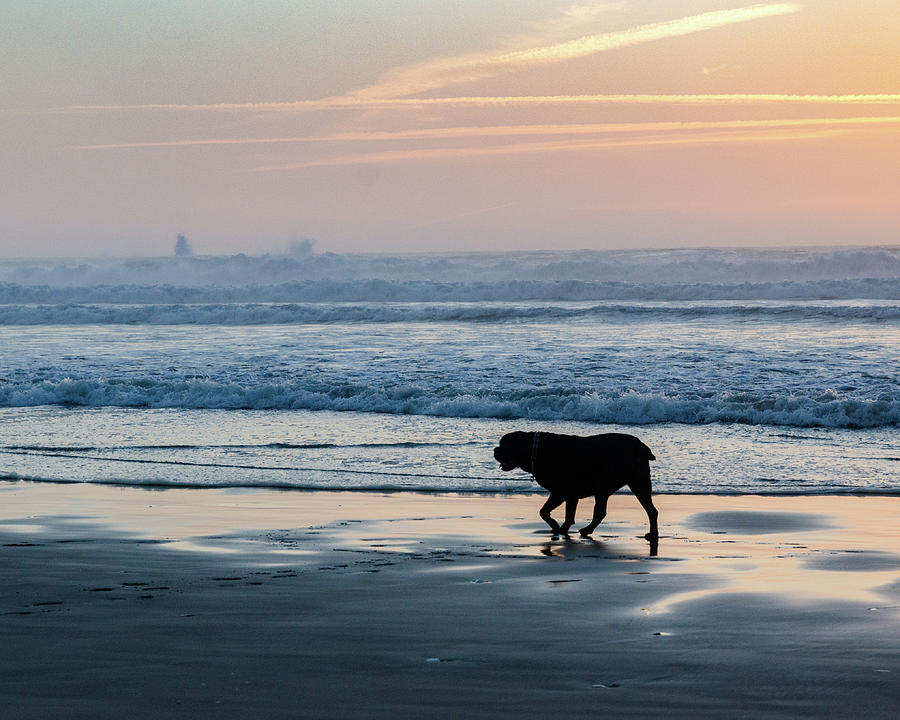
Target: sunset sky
column 370, row 125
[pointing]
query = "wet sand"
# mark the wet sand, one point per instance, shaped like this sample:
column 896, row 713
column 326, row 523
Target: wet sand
column 124, row 602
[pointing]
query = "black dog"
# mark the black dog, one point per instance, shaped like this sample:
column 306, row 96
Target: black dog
column 573, row 467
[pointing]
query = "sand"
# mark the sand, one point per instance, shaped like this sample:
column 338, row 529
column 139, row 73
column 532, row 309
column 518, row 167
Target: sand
column 118, row 602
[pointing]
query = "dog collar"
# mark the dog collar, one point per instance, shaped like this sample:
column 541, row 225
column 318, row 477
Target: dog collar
column 534, row 449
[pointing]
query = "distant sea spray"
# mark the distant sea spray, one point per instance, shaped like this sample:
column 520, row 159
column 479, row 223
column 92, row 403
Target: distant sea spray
column 712, row 273
column 473, row 287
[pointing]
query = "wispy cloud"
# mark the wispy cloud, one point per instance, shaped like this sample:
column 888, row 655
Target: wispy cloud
column 396, row 87
column 438, row 74
column 568, row 23
column 662, row 99
column 614, row 99
column 492, row 131
column 406, row 155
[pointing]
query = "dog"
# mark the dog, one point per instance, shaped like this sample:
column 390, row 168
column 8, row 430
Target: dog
column 573, row 467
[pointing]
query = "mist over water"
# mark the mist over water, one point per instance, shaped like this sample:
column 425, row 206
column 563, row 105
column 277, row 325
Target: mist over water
column 692, row 274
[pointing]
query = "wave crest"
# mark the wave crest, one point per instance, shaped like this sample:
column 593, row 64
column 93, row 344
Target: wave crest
column 630, row 408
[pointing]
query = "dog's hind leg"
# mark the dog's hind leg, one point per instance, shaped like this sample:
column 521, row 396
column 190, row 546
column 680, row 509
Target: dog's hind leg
column 599, row 514
column 553, row 502
column 571, row 506
column 642, row 492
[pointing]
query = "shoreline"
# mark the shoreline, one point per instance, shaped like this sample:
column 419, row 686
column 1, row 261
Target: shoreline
column 14, row 479
column 136, row 602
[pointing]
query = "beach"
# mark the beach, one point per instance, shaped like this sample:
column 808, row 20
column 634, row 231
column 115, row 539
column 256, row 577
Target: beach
column 128, row 602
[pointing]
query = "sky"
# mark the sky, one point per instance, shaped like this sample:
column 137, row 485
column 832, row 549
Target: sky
column 418, row 125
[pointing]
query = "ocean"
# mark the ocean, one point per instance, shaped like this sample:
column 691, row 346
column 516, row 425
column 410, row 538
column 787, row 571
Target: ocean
column 764, row 371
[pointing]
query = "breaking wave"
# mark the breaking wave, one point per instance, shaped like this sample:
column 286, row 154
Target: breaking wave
column 816, row 409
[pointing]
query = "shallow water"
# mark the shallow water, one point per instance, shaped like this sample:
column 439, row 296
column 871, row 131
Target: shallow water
column 367, row 451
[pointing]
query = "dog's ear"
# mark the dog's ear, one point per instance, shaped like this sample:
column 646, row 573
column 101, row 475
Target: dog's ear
column 520, row 445
column 510, row 439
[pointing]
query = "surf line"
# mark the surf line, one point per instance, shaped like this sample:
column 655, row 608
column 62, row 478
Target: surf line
column 250, row 467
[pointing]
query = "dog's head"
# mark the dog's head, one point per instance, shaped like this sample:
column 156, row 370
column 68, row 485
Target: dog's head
column 514, row 451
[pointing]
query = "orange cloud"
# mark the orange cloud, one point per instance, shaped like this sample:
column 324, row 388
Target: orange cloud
column 517, row 130
column 407, row 155
column 617, row 99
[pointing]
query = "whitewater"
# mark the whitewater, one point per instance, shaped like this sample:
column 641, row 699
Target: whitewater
column 764, row 371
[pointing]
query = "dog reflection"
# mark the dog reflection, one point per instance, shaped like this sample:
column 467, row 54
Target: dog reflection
column 586, row 547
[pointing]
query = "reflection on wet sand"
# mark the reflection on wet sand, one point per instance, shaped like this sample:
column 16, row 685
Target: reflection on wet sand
column 384, row 597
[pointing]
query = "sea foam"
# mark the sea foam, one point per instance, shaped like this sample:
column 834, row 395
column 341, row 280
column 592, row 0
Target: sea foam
column 625, row 408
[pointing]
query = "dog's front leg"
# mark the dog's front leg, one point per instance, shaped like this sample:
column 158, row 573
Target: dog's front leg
column 571, row 504
column 553, row 502
column 599, row 514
